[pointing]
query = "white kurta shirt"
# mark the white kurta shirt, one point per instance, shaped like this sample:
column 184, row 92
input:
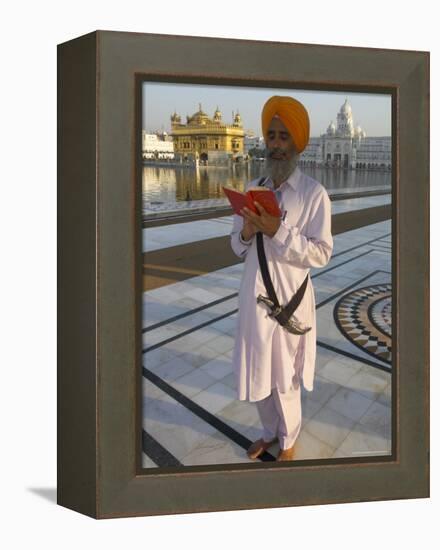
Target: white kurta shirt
column 265, row 355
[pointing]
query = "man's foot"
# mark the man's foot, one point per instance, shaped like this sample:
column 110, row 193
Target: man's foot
column 258, row 447
column 286, row 454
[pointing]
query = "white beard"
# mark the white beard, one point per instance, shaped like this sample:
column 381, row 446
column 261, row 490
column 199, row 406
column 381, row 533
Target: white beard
column 279, row 169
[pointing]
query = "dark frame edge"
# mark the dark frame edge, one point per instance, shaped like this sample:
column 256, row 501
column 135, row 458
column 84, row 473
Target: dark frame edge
column 77, row 270
column 258, row 41
column 426, row 97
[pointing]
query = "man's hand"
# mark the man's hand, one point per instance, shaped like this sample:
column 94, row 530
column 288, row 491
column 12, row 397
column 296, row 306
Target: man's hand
column 264, row 222
column 248, row 230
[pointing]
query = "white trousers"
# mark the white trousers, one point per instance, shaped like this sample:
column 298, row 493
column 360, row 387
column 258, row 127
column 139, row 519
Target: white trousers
column 280, row 414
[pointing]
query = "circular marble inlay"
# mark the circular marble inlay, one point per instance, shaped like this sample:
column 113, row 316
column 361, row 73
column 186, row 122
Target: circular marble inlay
column 380, row 313
column 364, row 317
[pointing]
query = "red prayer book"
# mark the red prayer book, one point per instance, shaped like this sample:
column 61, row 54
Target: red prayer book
column 265, row 197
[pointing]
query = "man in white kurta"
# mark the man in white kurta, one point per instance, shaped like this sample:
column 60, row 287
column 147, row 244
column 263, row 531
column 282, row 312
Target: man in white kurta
column 270, row 362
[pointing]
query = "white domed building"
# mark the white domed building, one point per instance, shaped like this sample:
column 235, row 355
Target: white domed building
column 345, row 146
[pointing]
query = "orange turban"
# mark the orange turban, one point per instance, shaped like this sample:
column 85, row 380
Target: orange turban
column 293, row 115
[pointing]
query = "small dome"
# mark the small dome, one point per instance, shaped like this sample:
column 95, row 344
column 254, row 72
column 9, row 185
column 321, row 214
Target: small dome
column 200, row 117
column 217, row 115
column 331, row 128
column 346, row 109
column 237, row 119
column 200, row 112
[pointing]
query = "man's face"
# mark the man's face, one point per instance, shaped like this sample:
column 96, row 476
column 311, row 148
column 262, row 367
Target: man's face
column 278, row 141
column 281, row 156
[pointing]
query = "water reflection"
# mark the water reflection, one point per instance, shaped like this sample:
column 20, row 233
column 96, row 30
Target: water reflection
column 169, row 184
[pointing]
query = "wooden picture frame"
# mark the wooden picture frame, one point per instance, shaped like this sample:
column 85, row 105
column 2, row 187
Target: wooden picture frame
column 99, row 271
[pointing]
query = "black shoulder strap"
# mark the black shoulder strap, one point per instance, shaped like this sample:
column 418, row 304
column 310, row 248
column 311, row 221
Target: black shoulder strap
column 265, row 270
column 290, row 308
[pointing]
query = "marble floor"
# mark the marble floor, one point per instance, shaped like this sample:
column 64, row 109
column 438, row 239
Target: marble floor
column 156, row 238
column 190, row 412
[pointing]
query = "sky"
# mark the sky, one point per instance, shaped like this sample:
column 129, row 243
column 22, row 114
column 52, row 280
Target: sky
column 370, row 111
